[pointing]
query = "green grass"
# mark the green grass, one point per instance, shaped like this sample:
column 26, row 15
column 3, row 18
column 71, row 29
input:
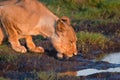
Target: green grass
column 7, row 54
column 1, row 78
column 55, row 76
column 4, row 48
column 7, row 57
column 100, row 10
column 87, row 40
column 47, row 75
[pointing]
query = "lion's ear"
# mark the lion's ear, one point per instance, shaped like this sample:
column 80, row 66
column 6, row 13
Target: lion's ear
column 60, row 26
column 65, row 19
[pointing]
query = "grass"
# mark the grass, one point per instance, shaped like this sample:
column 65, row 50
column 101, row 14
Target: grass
column 1, row 78
column 7, row 57
column 86, row 41
column 100, row 10
column 47, row 75
column 117, row 34
column 56, row 76
column 6, row 54
column 4, row 48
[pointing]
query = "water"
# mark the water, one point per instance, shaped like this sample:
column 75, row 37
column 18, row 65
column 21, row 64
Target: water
column 113, row 59
column 87, row 72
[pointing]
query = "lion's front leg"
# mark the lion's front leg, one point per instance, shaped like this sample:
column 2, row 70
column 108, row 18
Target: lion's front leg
column 31, row 45
column 16, row 44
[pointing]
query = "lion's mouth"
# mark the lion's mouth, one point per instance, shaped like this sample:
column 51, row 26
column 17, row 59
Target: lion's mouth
column 64, row 56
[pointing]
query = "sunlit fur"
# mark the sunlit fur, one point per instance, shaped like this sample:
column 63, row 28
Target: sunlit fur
column 25, row 18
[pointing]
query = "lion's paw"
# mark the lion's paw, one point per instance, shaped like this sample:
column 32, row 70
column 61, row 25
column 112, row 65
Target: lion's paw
column 20, row 49
column 38, row 50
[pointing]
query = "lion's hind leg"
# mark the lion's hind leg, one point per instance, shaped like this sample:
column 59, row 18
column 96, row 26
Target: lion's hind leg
column 31, row 45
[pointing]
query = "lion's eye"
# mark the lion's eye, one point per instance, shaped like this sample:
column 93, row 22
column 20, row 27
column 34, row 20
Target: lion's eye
column 71, row 41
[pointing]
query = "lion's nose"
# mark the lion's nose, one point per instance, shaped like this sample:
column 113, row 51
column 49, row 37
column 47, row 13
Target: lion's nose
column 75, row 53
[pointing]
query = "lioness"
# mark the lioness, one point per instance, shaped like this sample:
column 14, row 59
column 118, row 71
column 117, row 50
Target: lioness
column 25, row 18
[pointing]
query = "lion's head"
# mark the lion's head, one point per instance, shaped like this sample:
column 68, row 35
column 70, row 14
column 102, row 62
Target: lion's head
column 65, row 42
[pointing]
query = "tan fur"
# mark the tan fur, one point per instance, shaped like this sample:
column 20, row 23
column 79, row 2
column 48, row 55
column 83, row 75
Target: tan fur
column 7, row 2
column 24, row 18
